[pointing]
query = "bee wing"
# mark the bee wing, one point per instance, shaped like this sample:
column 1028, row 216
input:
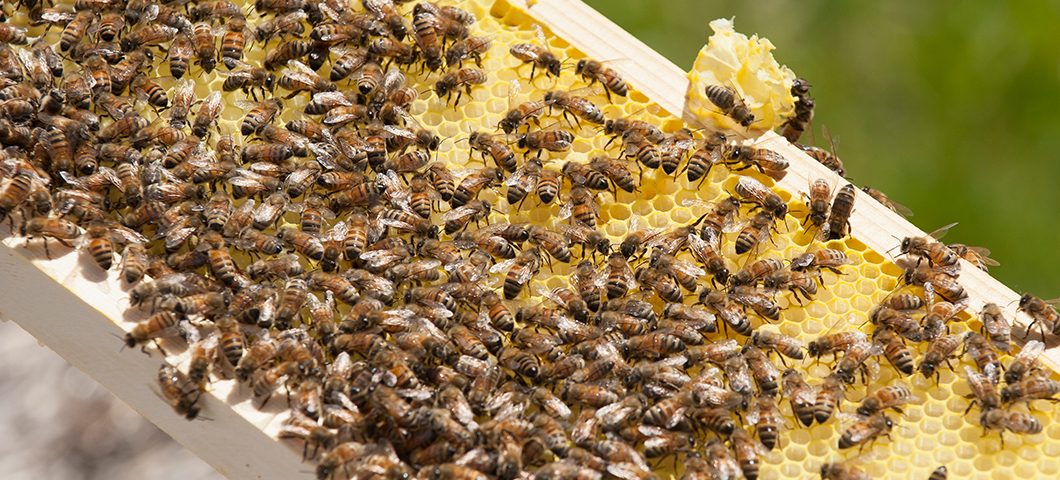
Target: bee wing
column 564, row 212
column 121, row 234
column 300, row 68
column 1030, row 352
column 942, row 231
column 503, row 266
column 688, row 268
column 513, row 90
column 458, row 213
column 754, row 189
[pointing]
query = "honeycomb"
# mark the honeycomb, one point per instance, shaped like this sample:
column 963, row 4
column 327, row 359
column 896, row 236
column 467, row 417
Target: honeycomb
column 933, row 430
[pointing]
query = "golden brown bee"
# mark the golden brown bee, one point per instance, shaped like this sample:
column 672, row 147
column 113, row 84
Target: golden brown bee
column 941, row 281
column 754, row 191
column 452, row 81
column 472, row 184
column 75, row 30
column 766, row 417
column 134, row 262
column 500, row 151
column 473, row 47
column 616, row 170
column 299, row 78
column 593, row 71
column 102, row 236
column 887, row 202
column 282, row 267
column 801, row 396
column 460, row 217
column 730, row 104
column 940, row 350
column 572, row 103
column 537, row 56
column 765, row 373
column 829, row 395
column 843, row 471
column 1015, row 422
column 581, row 207
column 202, row 38
column 783, row 344
column 796, row 124
column 259, row 114
column 51, row 228
column 756, row 232
column 983, row 391
column 158, row 325
column 1025, row 362
column 1044, row 315
column 523, row 268
column 207, row 115
column 662, row 283
column 426, row 37
column 730, row 312
column 655, row 345
column 747, row 453
column 985, row 355
column 819, row 200
column 854, row 358
column 978, row 256
column 895, row 349
column 150, row 35
column 521, row 114
column 393, row 49
column 767, row 161
column 838, row 225
column 179, row 391
column 929, row 249
column 893, row 397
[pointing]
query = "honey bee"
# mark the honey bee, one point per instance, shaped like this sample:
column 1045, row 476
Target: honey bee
column 829, row 394
column 896, row 351
column 582, row 207
column 298, row 78
column 522, row 269
column 616, row 170
column 150, row 35
column 729, row 311
column 248, row 78
column 796, row 124
column 207, row 115
column 134, row 262
column 854, row 358
column 753, row 191
column 58, row 229
column 471, row 47
column 270, row 211
column 179, row 391
column 783, row 344
column 843, row 471
column 978, row 256
column 537, row 56
column 1025, row 362
column 730, row 104
column 1030, row 388
column 158, row 325
column 938, row 315
column 1015, row 422
column 460, row 217
column 984, row 354
column 75, row 30
column 460, row 81
column 593, row 71
column 838, row 225
column 929, row 249
column 103, row 235
column 1044, row 315
column 941, row 281
column 940, row 350
column 893, row 397
column 887, row 202
column 472, row 184
column 802, row 397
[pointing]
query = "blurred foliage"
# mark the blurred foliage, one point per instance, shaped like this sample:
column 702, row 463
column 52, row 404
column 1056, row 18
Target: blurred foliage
column 949, row 108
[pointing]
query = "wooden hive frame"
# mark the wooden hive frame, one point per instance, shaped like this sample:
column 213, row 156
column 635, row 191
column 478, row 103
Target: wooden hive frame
column 69, row 308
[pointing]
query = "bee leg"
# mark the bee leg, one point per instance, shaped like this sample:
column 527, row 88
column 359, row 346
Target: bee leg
column 288, row 97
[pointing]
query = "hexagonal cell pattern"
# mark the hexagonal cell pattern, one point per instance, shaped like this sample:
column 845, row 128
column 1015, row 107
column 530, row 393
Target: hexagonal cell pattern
column 934, row 429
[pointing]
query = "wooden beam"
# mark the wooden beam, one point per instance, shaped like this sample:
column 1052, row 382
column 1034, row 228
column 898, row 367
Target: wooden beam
column 67, row 303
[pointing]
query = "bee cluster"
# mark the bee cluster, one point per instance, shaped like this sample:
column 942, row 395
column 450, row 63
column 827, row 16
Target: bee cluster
column 334, row 261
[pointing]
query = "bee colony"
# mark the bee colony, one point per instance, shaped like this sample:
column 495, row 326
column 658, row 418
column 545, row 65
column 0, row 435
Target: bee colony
column 441, row 241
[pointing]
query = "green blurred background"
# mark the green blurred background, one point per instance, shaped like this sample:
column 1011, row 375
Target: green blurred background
column 952, row 109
